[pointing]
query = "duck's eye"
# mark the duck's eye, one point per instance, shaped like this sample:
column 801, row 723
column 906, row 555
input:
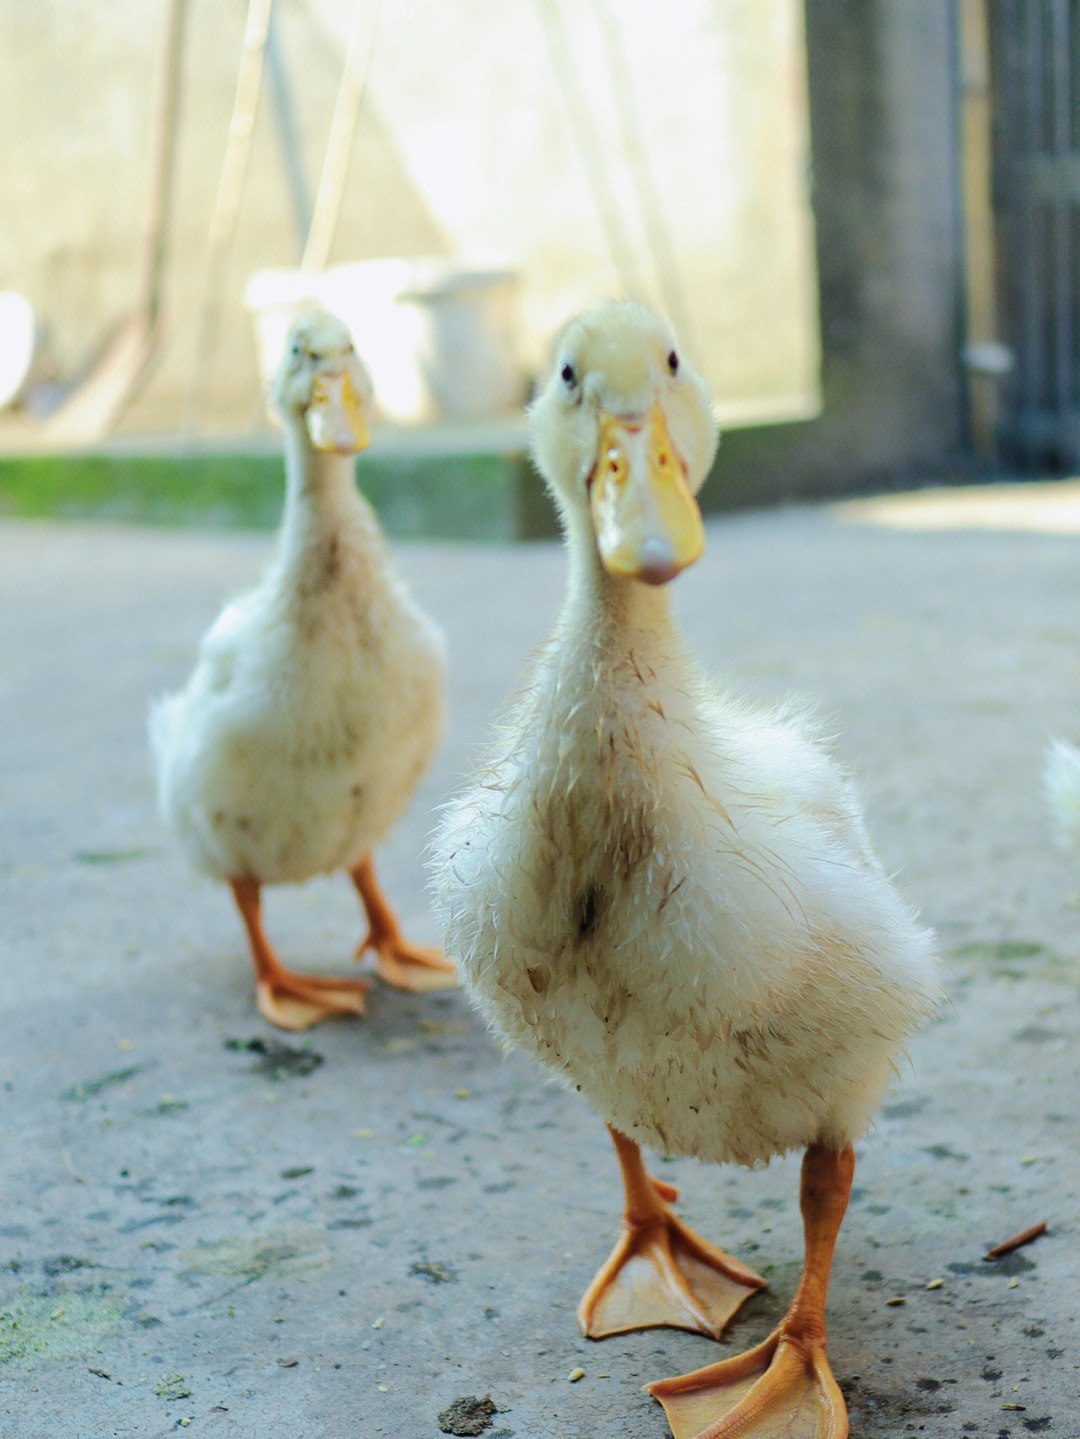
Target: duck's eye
column 568, row 376
column 673, row 362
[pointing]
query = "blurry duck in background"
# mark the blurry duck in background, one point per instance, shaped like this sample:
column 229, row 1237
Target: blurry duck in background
column 670, row 900
column 317, row 701
column 1061, row 781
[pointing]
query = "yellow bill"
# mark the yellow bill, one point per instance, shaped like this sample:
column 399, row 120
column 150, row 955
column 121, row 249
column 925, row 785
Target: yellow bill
column 647, row 521
column 335, row 416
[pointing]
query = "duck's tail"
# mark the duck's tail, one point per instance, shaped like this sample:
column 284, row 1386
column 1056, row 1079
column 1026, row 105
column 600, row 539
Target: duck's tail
column 1061, row 780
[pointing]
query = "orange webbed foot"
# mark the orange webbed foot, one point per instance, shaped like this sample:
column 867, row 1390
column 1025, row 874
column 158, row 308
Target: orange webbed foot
column 414, row 967
column 665, row 1275
column 782, row 1389
column 417, row 968
column 661, row 1273
column 290, row 1000
column 294, row 1001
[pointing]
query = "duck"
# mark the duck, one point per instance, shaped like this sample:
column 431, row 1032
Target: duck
column 317, row 701
column 669, row 898
column 1061, row 785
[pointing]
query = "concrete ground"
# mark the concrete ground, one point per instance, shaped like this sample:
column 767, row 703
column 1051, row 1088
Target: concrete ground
column 207, row 1226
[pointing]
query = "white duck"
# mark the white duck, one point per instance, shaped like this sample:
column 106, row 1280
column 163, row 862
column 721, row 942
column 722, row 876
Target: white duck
column 1061, row 781
column 669, row 899
column 318, row 698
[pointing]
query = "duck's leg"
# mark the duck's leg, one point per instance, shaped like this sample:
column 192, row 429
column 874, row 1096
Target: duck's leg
column 783, row 1389
column 660, row 1272
column 287, row 999
column 404, row 965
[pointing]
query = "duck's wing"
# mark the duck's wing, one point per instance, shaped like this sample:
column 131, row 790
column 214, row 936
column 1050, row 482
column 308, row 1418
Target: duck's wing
column 214, row 673
column 234, row 628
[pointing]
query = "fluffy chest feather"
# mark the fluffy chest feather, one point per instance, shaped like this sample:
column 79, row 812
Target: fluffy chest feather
column 672, row 905
column 315, row 707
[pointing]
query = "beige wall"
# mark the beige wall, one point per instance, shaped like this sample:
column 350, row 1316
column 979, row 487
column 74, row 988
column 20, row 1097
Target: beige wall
column 602, row 147
column 593, row 146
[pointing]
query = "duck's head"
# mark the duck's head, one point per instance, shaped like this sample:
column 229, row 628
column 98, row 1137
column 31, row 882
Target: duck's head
column 624, row 435
column 322, row 385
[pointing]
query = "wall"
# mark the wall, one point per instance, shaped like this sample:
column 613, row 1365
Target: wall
column 886, row 210
column 589, row 148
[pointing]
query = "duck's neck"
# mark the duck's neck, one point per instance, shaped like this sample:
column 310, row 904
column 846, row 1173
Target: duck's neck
column 320, row 499
column 616, row 615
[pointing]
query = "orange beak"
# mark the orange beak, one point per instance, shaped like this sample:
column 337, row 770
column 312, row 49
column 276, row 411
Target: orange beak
column 335, row 416
column 647, row 521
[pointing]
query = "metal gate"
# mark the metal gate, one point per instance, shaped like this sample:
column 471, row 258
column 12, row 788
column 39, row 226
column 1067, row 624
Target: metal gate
column 1035, row 60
